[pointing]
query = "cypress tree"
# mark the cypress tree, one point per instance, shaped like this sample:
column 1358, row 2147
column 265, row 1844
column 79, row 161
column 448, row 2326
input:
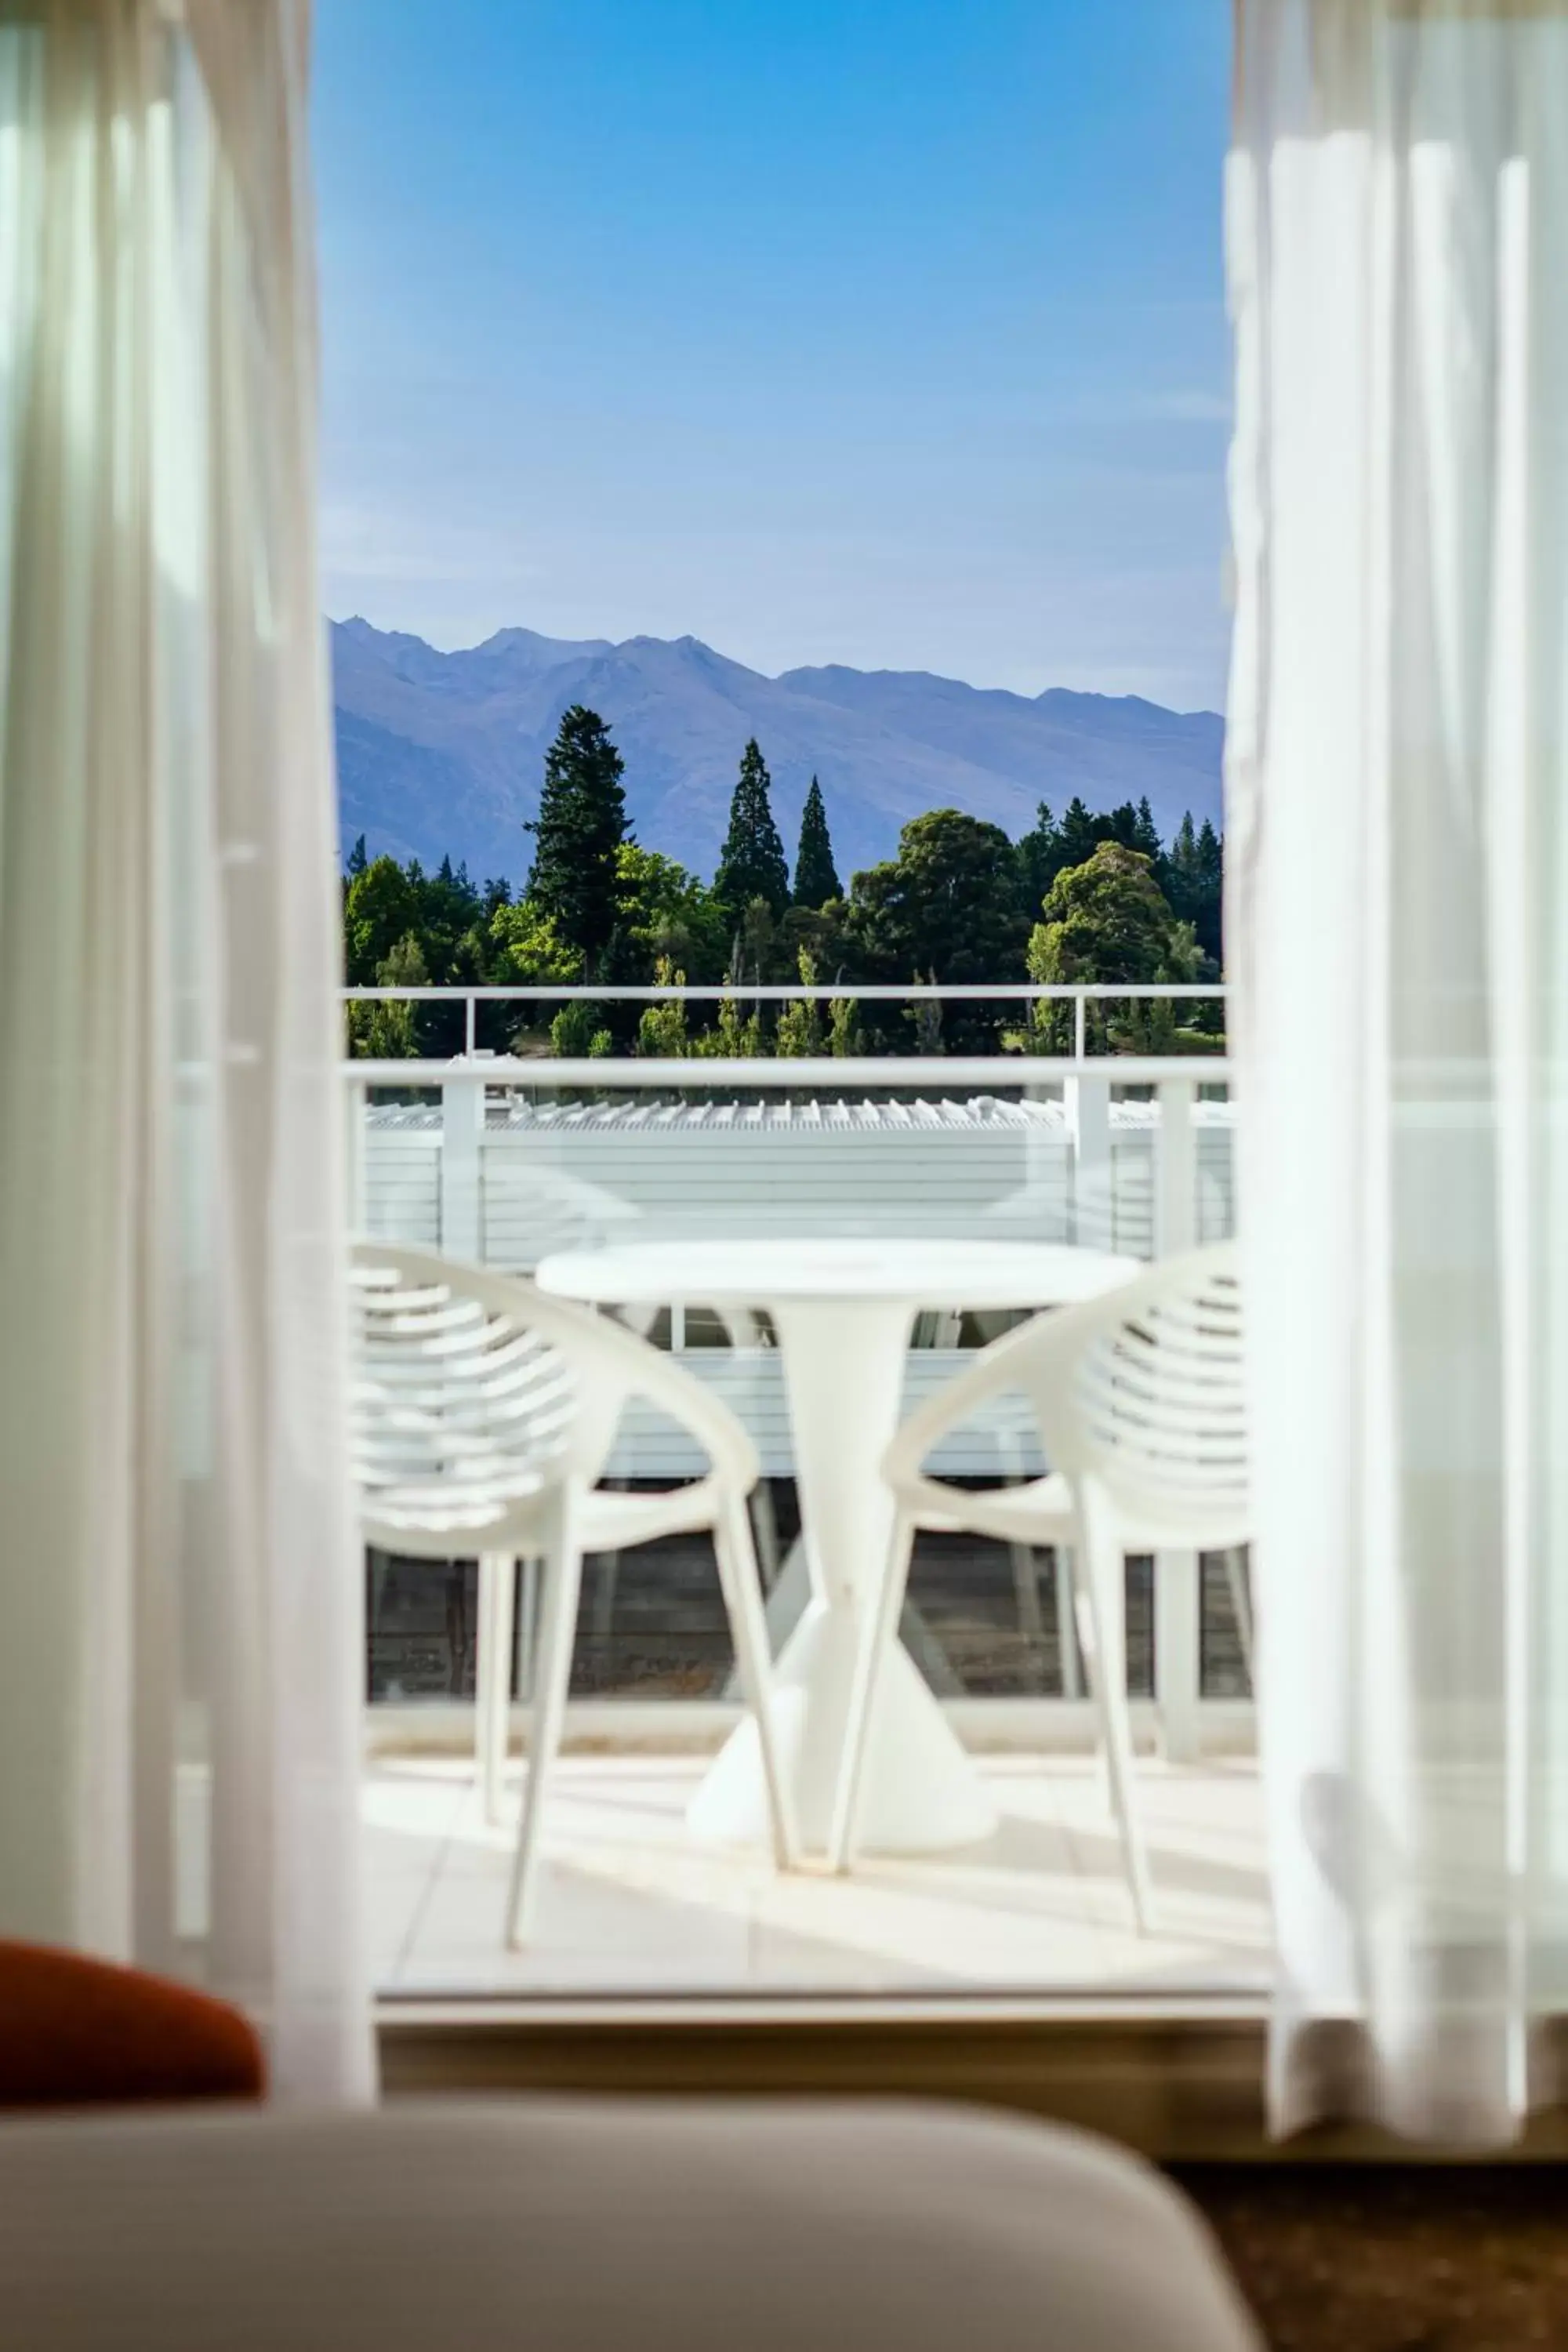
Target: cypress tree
column 815, row 875
column 751, row 863
column 581, row 824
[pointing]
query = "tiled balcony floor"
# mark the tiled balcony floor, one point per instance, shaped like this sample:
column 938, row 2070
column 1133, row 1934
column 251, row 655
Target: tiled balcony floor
column 631, row 1904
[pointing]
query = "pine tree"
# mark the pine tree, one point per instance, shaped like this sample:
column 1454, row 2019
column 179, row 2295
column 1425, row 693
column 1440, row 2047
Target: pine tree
column 1146, row 834
column 1209, row 917
column 752, row 864
column 1080, row 834
column 815, row 875
column 1039, row 855
column 580, row 827
column 1194, row 882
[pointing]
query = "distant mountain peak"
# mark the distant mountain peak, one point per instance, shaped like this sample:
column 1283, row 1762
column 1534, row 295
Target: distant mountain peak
column 442, row 753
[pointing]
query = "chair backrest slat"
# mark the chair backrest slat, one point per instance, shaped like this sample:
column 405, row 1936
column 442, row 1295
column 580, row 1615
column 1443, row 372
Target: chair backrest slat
column 1145, row 1390
column 460, row 1414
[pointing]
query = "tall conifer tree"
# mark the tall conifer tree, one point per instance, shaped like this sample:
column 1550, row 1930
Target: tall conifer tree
column 752, row 864
column 815, row 875
column 580, row 827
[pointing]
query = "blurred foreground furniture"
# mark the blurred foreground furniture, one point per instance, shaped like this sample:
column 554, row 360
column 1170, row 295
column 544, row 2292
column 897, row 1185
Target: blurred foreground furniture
column 81, row 2032
column 1139, row 1394
column 484, row 1414
column 598, row 2226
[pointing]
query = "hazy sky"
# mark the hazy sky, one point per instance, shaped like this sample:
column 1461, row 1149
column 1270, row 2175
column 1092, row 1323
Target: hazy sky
column 882, row 331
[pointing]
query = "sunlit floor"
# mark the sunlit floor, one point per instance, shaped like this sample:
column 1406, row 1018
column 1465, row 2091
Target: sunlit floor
column 631, row 1904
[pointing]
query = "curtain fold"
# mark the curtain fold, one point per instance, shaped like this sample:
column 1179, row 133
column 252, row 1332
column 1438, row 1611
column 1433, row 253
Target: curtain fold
column 180, row 1678
column 1398, row 925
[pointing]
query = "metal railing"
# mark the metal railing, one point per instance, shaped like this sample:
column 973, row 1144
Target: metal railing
column 1080, row 995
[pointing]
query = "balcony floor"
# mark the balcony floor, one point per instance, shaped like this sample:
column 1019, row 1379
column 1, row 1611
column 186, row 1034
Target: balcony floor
column 630, row 1905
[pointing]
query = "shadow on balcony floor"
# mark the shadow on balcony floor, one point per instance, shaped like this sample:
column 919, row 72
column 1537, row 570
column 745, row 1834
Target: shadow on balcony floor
column 632, row 1905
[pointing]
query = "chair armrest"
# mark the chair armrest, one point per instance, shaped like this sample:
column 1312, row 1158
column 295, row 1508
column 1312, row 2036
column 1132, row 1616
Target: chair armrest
column 1007, row 1367
column 614, row 1362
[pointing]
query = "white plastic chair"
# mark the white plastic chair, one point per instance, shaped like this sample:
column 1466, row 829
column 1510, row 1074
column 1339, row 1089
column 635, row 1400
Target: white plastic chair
column 484, row 1412
column 1139, row 1400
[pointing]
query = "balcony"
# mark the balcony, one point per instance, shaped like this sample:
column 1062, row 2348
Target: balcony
column 504, row 1161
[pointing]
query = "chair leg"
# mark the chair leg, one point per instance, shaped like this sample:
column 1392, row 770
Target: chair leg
column 604, row 1596
column 558, row 1625
column 1241, row 1608
column 528, row 1628
column 1101, row 1604
column 1026, row 1593
column 609, row 1579
column 1067, row 1628
column 494, row 1671
column 484, row 1652
column 766, row 1532
column 877, row 1635
column 741, row 1586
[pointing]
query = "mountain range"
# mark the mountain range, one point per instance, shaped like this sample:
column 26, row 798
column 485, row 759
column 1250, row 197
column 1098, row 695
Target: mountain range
column 441, row 754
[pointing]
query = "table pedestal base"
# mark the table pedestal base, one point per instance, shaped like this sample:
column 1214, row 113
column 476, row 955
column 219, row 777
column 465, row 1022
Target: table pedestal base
column 921, row 1792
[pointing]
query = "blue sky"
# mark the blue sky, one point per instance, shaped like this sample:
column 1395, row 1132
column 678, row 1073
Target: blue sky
column 882, row 331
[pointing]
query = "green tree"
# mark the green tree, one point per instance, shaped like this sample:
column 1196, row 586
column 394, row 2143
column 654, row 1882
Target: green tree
column 576, row 1034
column 1081, row 833
column 844, row 1037
column 661, row 1032
column 671, row 913
column 815, row 875
column 527, row 951
column 1107, row 920
column 755, row 955
column 390, row 1032
column 449, row 923
column 946, row 905
column 925, row 1018
column 1196, row 884
column 381, row 908
column 823, row 933
column 734, row 1036
column 523, row 948
column 357, row 860
column 751, row 863
column 1083, row 829
column 578, row 834
column 1143, row 834
column 798, row 1036
column 1040, row 858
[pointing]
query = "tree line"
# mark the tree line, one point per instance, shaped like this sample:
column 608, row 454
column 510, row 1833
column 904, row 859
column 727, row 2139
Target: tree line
column 1083, row 897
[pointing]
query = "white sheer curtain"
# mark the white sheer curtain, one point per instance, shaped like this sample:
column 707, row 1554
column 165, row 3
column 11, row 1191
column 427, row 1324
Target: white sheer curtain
column 1397, row 849
column 180, row 1654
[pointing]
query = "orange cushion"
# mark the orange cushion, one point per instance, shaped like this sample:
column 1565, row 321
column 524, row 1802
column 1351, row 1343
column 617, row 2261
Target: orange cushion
column 81, row 2032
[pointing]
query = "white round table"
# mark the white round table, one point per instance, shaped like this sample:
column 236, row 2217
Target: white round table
column 844, row 1312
